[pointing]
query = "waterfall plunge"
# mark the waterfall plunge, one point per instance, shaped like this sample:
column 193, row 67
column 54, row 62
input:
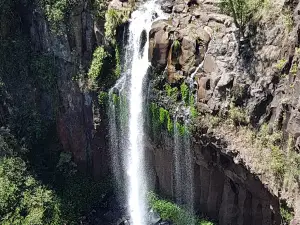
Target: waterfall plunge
column 126, row 139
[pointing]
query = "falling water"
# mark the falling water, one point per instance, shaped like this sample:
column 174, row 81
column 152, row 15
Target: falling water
column 126, row 139
column 183, row 163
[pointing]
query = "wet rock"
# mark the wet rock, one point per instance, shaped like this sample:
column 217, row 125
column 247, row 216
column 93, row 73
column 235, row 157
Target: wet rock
column 167, row 6
column 154, row 217
column 225, row 79
column 179, row 8
column 125, row 222
column 159, row 44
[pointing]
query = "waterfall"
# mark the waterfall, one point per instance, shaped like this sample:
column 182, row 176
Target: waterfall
column 183, row 165
column 126, row 121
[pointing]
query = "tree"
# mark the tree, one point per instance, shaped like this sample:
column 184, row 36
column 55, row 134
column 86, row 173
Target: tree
column 23, row 200
column 242, row 11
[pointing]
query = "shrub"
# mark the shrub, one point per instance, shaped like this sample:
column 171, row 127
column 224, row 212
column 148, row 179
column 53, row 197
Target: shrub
column 242, row 11
column 55, row 12
column 286, row 216
column 170, row 211
column 113, row 19
column 238, row 116
column 97, row 63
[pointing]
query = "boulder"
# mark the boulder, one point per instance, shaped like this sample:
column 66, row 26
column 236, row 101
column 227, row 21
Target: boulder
column 159, row 44
column 167, row 6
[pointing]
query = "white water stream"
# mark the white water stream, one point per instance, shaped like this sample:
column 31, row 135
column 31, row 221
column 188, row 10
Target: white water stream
column 126, row 141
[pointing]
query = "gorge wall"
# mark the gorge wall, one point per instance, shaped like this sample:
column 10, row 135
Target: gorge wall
column 245, row 91
column 245, row 135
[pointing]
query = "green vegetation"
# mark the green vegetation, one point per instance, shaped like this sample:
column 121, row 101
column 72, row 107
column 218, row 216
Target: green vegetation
column 79, row 194
column 182, row 129
column 160, row 118
column 176, row 48
column 242, row 11
column 113, row 19
column 281, row 64
column 100, row 8
column 294, row 69
column 170, row 211
column 184, row 89
column 23, row 200
column 193, row 110
column 96, row 67
column 117, row 71
column 238, row 115
column 55, row 11
column 102, row 98
column 272, row 141
column 286, row 216
column 171, row 91
column 288, row 20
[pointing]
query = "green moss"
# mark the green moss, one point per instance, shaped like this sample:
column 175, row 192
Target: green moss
column 176, row 45
column 170, row 211
column 176, row 50
column 171, row 92
column 96, row 66
column 116, row 99
column 102, row 98
column 170, row 125
column 294, row 69
column 162, row 113
column 193, row 110
column 281, row 63
column 182, row 129
column 118, row 62
column 160, row 119
column 184, row 89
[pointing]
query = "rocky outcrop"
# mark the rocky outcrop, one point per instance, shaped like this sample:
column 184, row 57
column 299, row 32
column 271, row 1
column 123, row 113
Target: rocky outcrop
column 179, row 48
column 257, row 74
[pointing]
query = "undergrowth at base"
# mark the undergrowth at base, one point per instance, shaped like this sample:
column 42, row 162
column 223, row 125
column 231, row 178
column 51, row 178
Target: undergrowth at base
column 170, row 211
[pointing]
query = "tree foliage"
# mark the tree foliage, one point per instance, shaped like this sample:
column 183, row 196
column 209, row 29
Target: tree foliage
column 242, row 11
column 23, row 199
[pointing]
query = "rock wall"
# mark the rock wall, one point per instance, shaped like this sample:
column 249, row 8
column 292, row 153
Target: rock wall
column 256, row 74
column 223, row 189
column 78, row 120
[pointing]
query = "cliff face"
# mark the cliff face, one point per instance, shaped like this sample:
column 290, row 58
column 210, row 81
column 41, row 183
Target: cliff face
column 246, row 132
column 223, row 190
column 245, row 88
column 67, row 104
